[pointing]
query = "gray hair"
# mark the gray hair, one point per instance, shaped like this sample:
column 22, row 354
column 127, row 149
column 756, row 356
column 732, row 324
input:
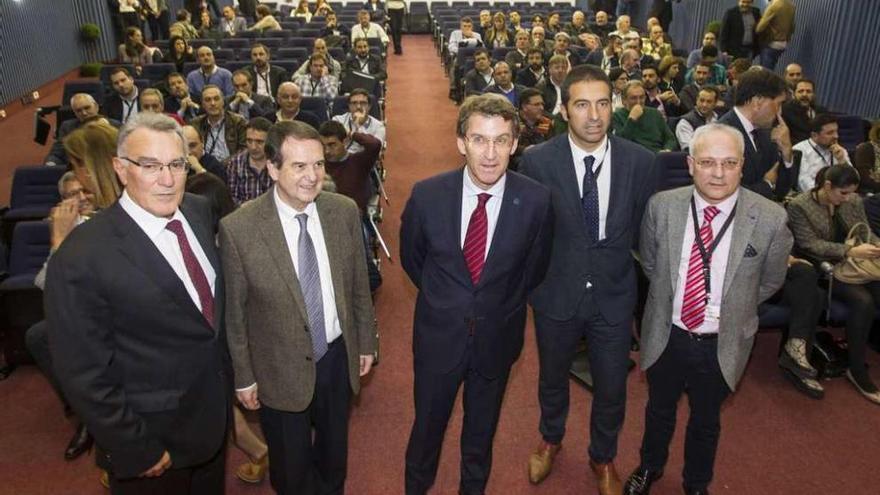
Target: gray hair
column 562, row 35
column 67, row 177
column 83, row 96
column 630, row 85
column 705, row 132
column 152, row 121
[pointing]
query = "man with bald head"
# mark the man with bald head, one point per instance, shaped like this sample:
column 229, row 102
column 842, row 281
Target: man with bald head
column 209, row 73
column 222, row 131
column 793, row 74
column 288, row 99
column 84, row 106
column 504, row 85
column 199, row 161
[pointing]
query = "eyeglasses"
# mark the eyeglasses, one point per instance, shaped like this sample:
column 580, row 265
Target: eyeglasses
column 152, row 168
column 482, row 142
column 728, row 164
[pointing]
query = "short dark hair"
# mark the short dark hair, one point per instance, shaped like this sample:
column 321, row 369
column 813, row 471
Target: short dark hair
column 489, row 105
column 527, row 95
column 704, row 64
column 245, row 73
column 359, row 91
column 332, row 128
column 535, row 50
column 807, row 81
column 465, row 20
column 117, row 70
column 756, row 83
column 615, row 73
column 260, row 45
column 709, row 51
column 583, row 73
column 740, row 65
column 840, row 176
column 182, row 14
column 650, row 67
column 281, row 131
column 710, row 89
column 820, row 121
column 483, row 51
column 174, row 74
column 261, row 124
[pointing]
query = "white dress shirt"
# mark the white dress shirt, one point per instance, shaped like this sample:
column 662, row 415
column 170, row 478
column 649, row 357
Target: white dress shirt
column 469, row 202
column 167, row 244
column 749, row 127
column 290, row 226
column 813, row 158
column 684, row 131
column 718, row 267
column 373, row 31
column 602, row 156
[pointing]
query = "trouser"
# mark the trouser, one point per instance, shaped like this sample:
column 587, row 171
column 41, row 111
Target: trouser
column 608, row 348
column 308, row 450
column 805, row 300
column 434, row 398
column 769, row 57
column 37, row 342
column 204, row 479
column 861, row 301
column 688, row 365
column 396, row 16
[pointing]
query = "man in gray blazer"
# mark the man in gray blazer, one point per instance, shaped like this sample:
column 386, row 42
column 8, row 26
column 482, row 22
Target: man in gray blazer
column 300, row 318
column 702, row 310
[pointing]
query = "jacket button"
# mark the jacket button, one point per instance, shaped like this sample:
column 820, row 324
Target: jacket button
column 306, row 328
column 308, row 358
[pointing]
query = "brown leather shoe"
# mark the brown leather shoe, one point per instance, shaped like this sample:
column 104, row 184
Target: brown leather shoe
column 541, row 461
column 253, row 472
column 606, row 478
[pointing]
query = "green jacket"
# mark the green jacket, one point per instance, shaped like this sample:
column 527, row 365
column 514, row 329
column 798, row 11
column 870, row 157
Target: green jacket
column 650, row 130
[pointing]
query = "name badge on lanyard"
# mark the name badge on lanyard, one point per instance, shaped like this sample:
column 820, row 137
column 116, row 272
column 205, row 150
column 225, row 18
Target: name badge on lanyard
column 706, row 255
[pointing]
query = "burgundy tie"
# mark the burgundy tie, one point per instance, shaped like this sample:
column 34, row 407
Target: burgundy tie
column 475, row 239
column 196, row 274
column 693, row 307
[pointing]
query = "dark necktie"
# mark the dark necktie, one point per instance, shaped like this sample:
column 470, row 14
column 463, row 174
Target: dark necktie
column 756, row 139
column 310, row 284
column 475, row 239
column 194, row 269
column 590, row 199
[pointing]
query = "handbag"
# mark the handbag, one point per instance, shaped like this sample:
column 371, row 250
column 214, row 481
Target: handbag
column 857, row 270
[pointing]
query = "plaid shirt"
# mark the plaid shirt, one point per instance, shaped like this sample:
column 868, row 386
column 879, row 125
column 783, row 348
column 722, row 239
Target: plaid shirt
column 244, row 182
column 326, row 87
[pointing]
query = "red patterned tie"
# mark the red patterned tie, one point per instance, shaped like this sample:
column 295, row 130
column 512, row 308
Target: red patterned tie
column 196, row 274
column 693, row 308
column 475, row 240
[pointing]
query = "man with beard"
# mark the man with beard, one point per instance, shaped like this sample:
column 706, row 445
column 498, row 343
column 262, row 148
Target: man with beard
column 666, row 102
column 180, row 101
column 703, row 113
column 266, row 76
column 552, row 87
column 534, row 74
column 820, row 150
column 688, row 94
column 799, row 112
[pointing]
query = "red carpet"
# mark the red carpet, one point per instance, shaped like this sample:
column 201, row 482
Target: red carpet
column 774, row 440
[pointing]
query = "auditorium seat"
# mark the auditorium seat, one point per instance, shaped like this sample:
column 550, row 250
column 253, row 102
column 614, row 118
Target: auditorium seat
column 234, row 43
column 872, row 210
column 672, row 170
column 851, row 132
column 34, row 192
column 300, row 42
column 316, row 105
column 157, row 72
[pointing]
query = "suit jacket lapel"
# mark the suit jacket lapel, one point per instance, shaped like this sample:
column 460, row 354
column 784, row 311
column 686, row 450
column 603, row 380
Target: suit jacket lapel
column 454, row 219
column 619, row 178
column 333, row 241
column 568, row 181
column 743, row 226
column 676, row 223
column 273, row 236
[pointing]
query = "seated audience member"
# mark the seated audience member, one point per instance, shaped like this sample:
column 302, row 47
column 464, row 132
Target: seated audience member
column 265, row 20
column 179, row 53
column 230, row 24
column 736, row 69
column 624, row 30
column 535, row 124
column 222, row 131
column 359, row 120
column 533, row 74
column 642, row 124
column 266, row 76
column 717, row 73
column 318, row 82
column 601, row 26
column 517, row 58
column 464, row 36
column 152, row 101
column 703, row 113
column 551, row 90
column 245, row 102
column 179, row 100
column 212, row 188
column 793, row 74
column 669, row 71
column 867, row 161
column 561, row 42
column 515, row 21
column 655, row 45
column 538, row 21
column 498, row 36
column 288, row 100
column 503, row 84
column 577, row 27
column 376, row 8
column 799, row 112
column 696, row 54
column 554, row 25
column 207, row 28
column 636, row 46
column 700, row 79
column 199, row 161
column 618, row 80
column 820, row 219
column 611, row 54
column 91, row 149
column 123, row 103
column 820, row 150
column 630, row 61
column 665, row 102
column 539, row 40
column 322, row 9
column 593, row 45
column 476, row 80
column 350, row 171
column 134, row 51
column 85, row 108
column 334, row 33
column 485, row 23
column 738, row 37
column 319, row 47
column 364, row 62
column 302, row 11
column 183, row 28
column 246, row 173
column 366, row 29
column 209, row 73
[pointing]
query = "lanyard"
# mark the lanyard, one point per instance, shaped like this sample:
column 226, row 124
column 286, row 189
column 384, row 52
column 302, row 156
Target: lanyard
column 824, row 160
column 129, row 107
column 214, row 136
column 314, row 86
column 265, row 79
column 206, row 78
column 706, row 254
column 365, row 66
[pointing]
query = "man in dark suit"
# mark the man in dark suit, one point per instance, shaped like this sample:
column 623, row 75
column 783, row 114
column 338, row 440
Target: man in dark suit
column 85, row 108
column 738, row 37
column 300, row 318
column 701, row 317
column 124, row 103
column 289, row 99
column 267, row 78
column 476, row 79
column 134, row 302
column 799, row 112
column 503, row 84
column 245, row 102
column 474, row 265
column 756, row 114
column 364, row 62
column 600, row 185
column 179, row 100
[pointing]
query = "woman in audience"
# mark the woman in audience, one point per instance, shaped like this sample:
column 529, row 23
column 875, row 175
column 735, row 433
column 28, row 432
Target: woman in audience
column 265, row 20
column 498, row 36
column 619, row 78
column 179, row 53
column 867, row 161
column 669, row 70
column 302, row 11
column 134, row 51
column 207, row 29
column 820, row 220
column 553, row 24
column 91, row 149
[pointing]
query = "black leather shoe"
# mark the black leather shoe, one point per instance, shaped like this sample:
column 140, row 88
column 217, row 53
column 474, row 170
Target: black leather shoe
column 640, row 481
column 80, row 443
column 692, row 491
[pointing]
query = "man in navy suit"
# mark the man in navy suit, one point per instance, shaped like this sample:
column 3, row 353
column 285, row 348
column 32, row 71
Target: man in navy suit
column 600, row 185
column 475, row 242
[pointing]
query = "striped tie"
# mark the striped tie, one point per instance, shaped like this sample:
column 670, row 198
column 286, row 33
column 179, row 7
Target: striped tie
column 310, row 284
column 693, row 308
column 475, row 240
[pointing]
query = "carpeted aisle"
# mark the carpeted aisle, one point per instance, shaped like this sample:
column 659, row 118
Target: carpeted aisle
column 774, row 440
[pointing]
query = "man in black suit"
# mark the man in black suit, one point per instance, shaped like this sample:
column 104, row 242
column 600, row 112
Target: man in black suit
column 799, row 112
column 475, row 242
column 364, row 62
column 756, row 114
column 600, row 185
column 179, row 100
column 84, row 108
column 245, row 102
column 267, row 78
column 533, row 73
column 134, row 303
column 476, row 80
column 289, row 98
column 738, row 37
column 124, row 103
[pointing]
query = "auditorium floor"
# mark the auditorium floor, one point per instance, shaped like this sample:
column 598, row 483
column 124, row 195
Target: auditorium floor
column 774, row 440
